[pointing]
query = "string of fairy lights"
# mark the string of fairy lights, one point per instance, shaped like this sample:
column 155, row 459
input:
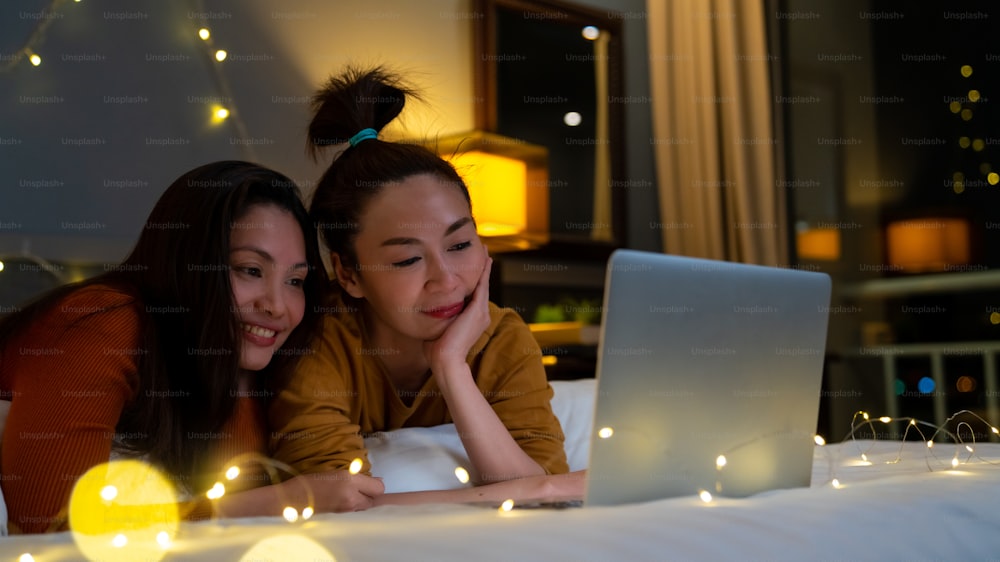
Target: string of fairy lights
column 33, row 52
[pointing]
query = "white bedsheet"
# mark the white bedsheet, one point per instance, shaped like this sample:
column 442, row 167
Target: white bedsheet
column 917, row 508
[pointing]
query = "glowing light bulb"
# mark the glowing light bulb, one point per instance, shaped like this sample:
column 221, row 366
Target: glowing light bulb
column 954, row 462
column 974, row 95
column 966, row 70
column 356, row 466
column 819, row 440
column 307, row 513
column 930, row 444
column 221, row 55
column 590, row 33
column 119, row 541
column 885, row 419
column 1, row 266
column 163, row 539
column 462, row 475
column 572, row 118
column 994, row 430
column 204, row 33
column 969, row 449
column 216, row 492
column 232, row 472
column 705, row 496
column 109, row 493
column 994, row 179
column 864, row 457
column 835, row 483
column 720, row 462
column 913, row 421
column 35, row 59
column 864, row 415
column 507, row 505
column 26, row 557
column 605, row 432
column 290, row 514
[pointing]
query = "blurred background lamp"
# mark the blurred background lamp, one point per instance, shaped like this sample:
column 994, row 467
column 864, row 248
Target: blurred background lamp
column 927, row 244
column 508, row 184
column 818, row 243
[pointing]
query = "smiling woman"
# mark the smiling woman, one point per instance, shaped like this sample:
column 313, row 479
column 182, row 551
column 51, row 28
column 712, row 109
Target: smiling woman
column 168, row 357
column 410, row 338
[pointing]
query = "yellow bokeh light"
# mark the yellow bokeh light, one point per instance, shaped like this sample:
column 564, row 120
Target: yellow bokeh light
column 978, row 145
column 1, row 265
column 307, row 513
column 123, row 510
column 507, row 505
column 993, row 178
column 885, row 419
column 966, row 70
column 836, row 483
column 957, row 176
column 958, row 187
column 955, row 107
column 720, row 461
column 973, row 95
column 26, row 557
column 819, row 440
column 864, row 415
column 705, row 496
column 35, row 59
column 216, row 492
column 964, row 142
column 204, row 33
column 221, row 55
column 232, row 472
column 966, row 114
column 290, row 514
column 462, row 475
column 356, row 466
column 605, row 432
column 279, row 547
column 995, row 318
column 954, row 462
column 930, row 444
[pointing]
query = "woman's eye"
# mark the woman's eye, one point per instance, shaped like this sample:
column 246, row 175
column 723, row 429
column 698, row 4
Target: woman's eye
column 251, row 271
column 461, row 245
column 297, row 282
column 405, row 263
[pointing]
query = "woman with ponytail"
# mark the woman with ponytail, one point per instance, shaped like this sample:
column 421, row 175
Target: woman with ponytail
column 409, row 338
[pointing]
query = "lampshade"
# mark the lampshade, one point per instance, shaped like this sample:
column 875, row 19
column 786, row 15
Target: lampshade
column 508, row 184
column 927, row 244
column 818, row 244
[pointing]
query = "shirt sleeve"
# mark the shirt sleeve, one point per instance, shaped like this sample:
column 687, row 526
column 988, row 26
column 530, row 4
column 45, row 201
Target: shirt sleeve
column 511, row 376
column 311, row 425
column 73, row 375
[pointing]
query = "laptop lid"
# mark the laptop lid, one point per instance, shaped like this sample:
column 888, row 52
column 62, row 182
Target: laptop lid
column 708, row 378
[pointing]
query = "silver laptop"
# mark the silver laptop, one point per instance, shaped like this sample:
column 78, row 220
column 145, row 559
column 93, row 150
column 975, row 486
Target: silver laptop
column 708, row 378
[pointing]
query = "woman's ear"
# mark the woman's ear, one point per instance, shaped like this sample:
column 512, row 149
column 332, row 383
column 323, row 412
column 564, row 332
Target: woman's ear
column 346, row 276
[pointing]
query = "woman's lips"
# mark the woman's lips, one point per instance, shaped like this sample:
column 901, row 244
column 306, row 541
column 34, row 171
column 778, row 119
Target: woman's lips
column 446, row 311
column 260, row 335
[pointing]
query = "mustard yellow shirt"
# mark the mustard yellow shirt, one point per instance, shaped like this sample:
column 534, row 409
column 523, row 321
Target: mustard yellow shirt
column 341, row 392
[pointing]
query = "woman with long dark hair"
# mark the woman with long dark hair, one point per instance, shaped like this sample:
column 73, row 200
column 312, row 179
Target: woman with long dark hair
column 169, row 356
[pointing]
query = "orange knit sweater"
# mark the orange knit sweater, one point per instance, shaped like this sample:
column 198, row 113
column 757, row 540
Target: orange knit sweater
column 69, row 377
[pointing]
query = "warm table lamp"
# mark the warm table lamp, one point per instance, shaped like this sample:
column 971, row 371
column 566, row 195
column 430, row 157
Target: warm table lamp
column 927, row 244
column 508, row 183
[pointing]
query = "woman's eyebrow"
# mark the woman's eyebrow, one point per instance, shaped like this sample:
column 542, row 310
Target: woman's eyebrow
column 267, row 256
column 407, row 240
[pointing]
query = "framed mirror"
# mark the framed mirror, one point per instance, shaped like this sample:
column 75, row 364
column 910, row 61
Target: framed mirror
column 550, row 73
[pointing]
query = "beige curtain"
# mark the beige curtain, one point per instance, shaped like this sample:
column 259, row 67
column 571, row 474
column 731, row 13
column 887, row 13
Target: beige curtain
column 713, row 137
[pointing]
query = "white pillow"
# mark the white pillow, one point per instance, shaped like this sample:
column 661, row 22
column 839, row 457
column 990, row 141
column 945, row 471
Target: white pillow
column 425, row 458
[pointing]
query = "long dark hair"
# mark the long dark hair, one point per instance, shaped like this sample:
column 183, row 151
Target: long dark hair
column 354, row 100
column 178, row 272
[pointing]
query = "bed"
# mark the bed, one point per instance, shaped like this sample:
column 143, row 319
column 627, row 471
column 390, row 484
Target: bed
column 906, row 502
